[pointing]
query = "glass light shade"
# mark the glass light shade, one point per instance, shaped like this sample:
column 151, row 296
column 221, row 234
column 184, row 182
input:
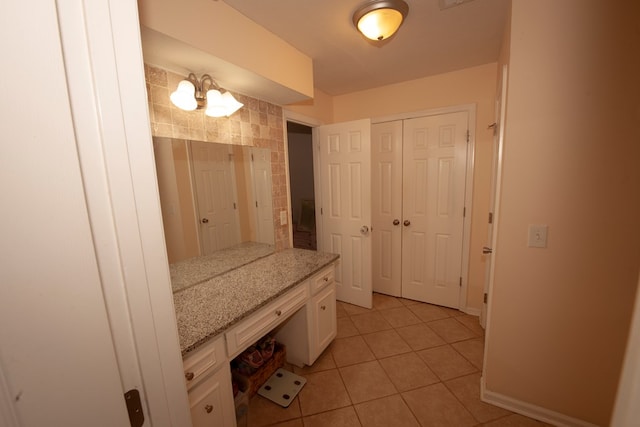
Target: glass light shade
column 231, row 103
column 184, row 96
column 215, row 104
column 380, row 24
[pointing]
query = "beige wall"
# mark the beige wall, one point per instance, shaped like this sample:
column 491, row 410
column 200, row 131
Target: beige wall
column 258, row 124
column 319, row 108
column 559, row 316
column 476, row 85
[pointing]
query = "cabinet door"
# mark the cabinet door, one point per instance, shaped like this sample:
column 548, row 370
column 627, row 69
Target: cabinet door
column 324, row 316
column 211, row 401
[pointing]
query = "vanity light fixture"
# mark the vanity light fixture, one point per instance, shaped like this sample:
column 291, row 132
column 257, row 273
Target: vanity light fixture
column 193, row 93
column 380, row 19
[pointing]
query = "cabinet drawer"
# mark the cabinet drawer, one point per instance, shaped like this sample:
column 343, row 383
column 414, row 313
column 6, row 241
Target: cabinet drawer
column 203, row 360
column 255, row 326
column 322, row 279
column 211, row 401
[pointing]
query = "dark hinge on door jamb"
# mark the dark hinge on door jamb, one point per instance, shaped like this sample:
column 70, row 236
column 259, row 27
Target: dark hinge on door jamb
column 464, row 212
column 460, row 280
column 490, row 217
column 468, row 135
column 486, row 297
column 134, row 408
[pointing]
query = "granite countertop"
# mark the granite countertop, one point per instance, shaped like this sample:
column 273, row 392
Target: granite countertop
column 199, row 269
column 206, row 309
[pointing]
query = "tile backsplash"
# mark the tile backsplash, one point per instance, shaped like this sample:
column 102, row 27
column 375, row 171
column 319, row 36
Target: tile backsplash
column 257, row 124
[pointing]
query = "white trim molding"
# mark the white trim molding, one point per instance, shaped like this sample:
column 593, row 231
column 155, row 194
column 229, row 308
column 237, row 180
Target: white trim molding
column 528, row 409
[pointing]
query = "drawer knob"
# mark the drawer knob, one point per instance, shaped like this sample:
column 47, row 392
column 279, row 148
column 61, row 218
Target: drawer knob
column 323, row 307
column 188, row 376
column 326, row 279
column 278, row 312
column 208, row 408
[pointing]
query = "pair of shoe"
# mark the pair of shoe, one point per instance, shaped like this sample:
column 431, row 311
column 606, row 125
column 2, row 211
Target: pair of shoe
column 266, row 346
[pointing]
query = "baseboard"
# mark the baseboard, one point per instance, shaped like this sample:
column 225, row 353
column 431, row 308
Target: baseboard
column 471, row 311
column 529, row 410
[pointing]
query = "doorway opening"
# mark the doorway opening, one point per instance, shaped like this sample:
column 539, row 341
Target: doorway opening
column 303, row 214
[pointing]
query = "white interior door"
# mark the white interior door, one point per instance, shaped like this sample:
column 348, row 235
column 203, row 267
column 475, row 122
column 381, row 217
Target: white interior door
column 345, row 181
column 261, row 171
column 434, row 172
column 495, row 192
column 215, row 196
column 386, row 209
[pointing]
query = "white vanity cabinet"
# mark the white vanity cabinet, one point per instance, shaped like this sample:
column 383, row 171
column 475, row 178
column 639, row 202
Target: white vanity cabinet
column 308, row 333
column 208, row 379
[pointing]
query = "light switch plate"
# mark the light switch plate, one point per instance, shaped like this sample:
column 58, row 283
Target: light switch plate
column 538, row 236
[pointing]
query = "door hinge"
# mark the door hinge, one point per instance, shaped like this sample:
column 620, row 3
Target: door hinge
column 256, row 203
column 321, row 211
column 134, row 408
column 461, row 281
column 490, row 217
column 234, row 205
column 252, row 157
column 486, row 298
column 464, row 212
column 468, row 135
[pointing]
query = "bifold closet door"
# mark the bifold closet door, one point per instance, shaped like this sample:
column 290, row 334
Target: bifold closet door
column 386, row 207
column 434, row 172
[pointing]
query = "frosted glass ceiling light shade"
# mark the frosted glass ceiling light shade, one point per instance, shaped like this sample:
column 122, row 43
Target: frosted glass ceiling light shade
column 190, row 95
column 380, row 19
column 184, row 96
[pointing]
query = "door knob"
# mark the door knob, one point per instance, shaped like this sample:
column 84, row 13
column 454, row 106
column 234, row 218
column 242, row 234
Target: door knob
column 205, row 220
column 407, row 223
column 364, row 230
column 396, row 221
column 486, row 250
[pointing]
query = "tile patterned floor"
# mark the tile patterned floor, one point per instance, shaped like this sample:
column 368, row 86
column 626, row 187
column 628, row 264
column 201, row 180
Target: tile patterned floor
column 402, row 363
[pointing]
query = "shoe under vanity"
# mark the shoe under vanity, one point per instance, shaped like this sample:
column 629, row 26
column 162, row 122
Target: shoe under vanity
column 289, row 295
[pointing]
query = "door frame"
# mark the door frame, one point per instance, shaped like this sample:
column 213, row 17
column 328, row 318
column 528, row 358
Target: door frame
column 292, row 116
column 470, row 109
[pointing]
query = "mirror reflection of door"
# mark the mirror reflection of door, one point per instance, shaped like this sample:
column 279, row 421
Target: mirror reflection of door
column 300, row 149
column 214, row 178
column 261, row 172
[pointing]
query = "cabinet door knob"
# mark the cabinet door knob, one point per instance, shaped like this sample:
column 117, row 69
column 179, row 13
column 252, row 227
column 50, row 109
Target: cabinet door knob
column 326, row 279
column 208, row 408
column 323, row 307
column 278, row 312
column 188, row 376
column 407, row 223
column 396, row 221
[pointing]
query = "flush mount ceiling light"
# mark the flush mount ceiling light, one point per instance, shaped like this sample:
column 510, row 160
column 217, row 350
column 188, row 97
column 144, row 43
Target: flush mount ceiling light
column 193, row 94
column 380, row 19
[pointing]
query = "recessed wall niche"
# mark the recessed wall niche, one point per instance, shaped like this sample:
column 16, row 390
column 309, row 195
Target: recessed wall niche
column 257, row 124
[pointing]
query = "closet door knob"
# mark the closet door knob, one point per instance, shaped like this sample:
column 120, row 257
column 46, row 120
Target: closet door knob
column 396, row 221
column 208, row 408
column 407, row 223
column 205, row 220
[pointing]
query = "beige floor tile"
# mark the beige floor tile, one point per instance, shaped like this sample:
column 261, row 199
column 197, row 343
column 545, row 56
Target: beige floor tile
column 323, row 391
column 399, row 317
column 427, row 312
column 451, row 330
column 366, row 381
column 453, row 312
column 324, row 362
column 353, row 309
column 434, row 405
column 471, row 322
column 406, row 302
column 349, row 351
column 446, row 363
column 263, row 412
column 343, row 417
column 292, row 423
column 408, row 371
column 340, row 311
column 420, row 336
column 386, row 343
column 346, row 328
column 381, row 302
column 467, row 390
column 370, row 322
column 472, row 350
column 386, row 412
column 516, row 420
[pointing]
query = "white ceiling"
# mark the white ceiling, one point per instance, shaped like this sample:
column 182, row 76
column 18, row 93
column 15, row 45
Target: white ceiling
column 431, row 40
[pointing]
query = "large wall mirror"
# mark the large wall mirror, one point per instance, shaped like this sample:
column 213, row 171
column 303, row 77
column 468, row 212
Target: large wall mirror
column 214, row 197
